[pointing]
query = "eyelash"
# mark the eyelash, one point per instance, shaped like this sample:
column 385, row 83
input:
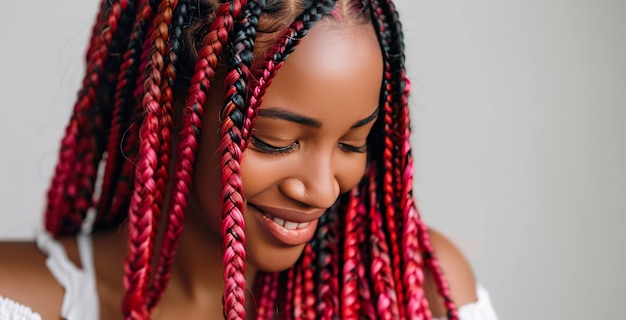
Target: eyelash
column 265, row 147
column 351, row 148
column 268, row 148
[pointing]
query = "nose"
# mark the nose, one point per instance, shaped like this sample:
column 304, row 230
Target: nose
column 314, row 184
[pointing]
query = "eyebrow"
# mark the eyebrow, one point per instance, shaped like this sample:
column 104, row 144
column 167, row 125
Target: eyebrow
column 367, row 120
column 307, row 121
column 289, row 116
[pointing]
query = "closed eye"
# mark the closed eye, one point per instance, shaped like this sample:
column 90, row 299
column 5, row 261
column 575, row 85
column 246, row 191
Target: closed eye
column 351, row 148
column 265, row 147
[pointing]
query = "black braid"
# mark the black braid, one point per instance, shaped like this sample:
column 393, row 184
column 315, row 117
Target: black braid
column 177, row 36
column 95, row 128
column 124, row 103
column 327, row 244
column 241, row 49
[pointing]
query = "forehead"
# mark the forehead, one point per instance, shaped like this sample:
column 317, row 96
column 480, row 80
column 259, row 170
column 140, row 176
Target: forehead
column 336, row 69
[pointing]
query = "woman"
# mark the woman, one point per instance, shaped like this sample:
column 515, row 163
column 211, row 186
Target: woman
column 295, row 197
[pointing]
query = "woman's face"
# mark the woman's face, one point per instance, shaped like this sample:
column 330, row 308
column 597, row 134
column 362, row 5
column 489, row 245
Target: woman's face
column 307, row 145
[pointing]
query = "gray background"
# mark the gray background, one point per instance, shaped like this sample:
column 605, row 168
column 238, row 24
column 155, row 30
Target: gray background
column 520, row 146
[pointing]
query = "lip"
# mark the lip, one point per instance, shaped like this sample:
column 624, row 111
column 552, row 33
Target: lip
column 290, row 237
column 290, row 215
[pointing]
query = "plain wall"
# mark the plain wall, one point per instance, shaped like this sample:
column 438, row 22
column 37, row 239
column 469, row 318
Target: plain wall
column 519, row 137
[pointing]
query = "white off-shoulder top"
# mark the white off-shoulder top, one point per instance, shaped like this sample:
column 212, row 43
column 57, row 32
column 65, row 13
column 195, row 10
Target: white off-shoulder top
column 81, row 298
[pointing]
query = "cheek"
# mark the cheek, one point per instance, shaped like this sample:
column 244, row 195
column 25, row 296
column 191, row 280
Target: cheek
column 351, row 170
column 257, row 173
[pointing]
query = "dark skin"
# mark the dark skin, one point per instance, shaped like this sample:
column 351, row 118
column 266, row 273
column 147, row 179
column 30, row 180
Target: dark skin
column 195, row 287
column 26, row 279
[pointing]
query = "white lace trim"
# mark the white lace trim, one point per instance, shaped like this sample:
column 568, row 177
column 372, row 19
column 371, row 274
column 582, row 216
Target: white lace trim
column 81, row 298
column 11, row 310
column 479, row 310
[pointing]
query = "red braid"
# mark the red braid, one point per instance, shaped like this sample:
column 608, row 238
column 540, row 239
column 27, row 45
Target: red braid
column 383, row 243
column 298, row 293
column 159, row 56
column 353, row 227
column 147, row 198
column 61, row 215
column 390, row 182
column 130, row 139
column 266, row 291
column 308, row 282
column 124, row 186
column 231, row 151
column 208, row 58
column 367, row 310
column 390, row 198
column 413, row 262
column 143, row 207
column 95, row 30
column 174, row 222
column 433, row 264
column 403, row 172
column 273, row 296
column 288, row 305
column 380, row 270
column 275, row 59
column 328, row 290
column 121, row 113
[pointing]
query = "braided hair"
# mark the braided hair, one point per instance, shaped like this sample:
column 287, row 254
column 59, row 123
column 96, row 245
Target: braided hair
column 369, row 252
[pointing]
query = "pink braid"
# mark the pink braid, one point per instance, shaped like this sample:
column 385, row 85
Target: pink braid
column 289, row 293
column 298, row 290
column 380, row 270
column 364, row 292
column 266, row 282
column 272, row 303
column 151, row 174
column 309, row 296
column 392, row 185
column 233, row 224
column 143, row 208
column 208, row 58
column 353, row 228
column 161, row 49
column 433, row 264
column 416, row 302
column 275, row 59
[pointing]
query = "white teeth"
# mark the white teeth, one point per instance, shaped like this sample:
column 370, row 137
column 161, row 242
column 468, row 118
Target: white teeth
column 289, row 224
column 279, row 221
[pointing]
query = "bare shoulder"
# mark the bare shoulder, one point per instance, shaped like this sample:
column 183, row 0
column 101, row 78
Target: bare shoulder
column 25, row 278
column 457, row 271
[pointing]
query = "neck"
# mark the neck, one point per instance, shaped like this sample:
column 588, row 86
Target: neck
column 198, row 272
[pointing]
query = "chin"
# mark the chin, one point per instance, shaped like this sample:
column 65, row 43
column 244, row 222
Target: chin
column 267, row 258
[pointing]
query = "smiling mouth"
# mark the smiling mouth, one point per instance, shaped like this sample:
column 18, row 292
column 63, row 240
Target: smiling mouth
column 289, row 225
